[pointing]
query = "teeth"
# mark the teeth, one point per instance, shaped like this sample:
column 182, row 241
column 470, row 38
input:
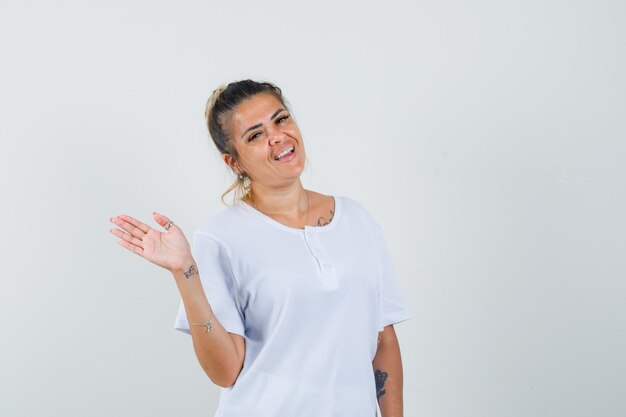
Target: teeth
column 285, row 152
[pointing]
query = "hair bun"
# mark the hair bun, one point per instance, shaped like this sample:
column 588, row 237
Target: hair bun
column 213, row 99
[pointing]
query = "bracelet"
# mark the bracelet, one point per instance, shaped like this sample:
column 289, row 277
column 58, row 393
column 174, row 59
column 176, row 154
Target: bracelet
column 208, row 325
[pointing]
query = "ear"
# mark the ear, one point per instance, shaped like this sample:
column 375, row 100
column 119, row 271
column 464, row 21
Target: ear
column 231, row 162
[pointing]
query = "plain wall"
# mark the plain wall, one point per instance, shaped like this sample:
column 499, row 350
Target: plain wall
column 487, row 138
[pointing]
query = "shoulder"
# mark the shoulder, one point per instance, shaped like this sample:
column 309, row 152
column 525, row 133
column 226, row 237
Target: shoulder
column 221, row 225
column 351, row 204
column 354, row 208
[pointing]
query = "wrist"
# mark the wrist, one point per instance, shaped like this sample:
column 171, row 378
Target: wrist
column 187, row 268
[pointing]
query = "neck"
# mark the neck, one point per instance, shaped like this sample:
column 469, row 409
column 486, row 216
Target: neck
column 290, row 200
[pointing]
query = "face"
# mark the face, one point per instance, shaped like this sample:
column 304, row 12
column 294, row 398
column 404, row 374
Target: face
column 268, row 142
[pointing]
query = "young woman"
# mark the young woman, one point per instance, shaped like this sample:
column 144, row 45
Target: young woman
column 289, row 295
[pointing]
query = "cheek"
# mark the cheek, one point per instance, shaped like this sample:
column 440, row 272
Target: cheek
column 295, row 132
column 255, row 155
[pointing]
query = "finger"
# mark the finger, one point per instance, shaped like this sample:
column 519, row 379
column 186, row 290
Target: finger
column 131, row 247
column 127, row 237
column 162, row 220
column 123, row 224
column 139, row 225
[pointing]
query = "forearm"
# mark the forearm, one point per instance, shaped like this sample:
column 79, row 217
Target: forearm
column 215, row 350
column 387, row 366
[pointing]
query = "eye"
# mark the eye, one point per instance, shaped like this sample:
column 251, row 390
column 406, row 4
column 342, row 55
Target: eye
column 282, row 119
column 253, row 136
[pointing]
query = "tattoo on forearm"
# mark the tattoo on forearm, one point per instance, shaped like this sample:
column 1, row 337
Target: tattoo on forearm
column 380, row 377
column 322, row 220
column 192, row 270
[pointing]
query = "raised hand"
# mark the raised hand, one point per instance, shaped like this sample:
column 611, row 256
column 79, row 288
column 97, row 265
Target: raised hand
column 169, row 249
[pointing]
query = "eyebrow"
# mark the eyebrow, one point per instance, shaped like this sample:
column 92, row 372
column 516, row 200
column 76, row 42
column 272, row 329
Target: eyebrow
column 276, row 113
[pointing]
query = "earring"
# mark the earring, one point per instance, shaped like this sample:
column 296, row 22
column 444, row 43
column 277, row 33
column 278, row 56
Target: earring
column 245, row 181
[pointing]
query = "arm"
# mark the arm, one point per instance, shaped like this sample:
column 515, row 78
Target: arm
column 220, row 353
column 387, row 366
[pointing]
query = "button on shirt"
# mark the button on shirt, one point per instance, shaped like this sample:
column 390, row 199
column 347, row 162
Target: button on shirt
column 309, row 303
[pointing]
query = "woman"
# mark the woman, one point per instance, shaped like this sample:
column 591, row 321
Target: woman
column 289, row 295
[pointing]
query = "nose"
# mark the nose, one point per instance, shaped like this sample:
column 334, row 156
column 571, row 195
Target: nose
column 275, row 136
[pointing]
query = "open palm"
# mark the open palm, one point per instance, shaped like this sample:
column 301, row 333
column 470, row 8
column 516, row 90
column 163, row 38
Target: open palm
column 169, row 249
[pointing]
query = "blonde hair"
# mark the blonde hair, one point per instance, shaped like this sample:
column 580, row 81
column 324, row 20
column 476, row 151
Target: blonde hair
column 219, row 108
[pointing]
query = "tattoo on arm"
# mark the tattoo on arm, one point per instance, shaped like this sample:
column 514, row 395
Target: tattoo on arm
column 380, row 377
column 322, row 220
column 190, row 271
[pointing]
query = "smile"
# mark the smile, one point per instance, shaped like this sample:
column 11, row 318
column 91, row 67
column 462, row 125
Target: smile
column 283, row 153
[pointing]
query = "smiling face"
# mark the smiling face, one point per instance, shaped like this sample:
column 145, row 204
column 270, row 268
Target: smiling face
column 267, row 140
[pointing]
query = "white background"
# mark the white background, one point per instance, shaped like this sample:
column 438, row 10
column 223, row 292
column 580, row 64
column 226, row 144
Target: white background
column 486, row 137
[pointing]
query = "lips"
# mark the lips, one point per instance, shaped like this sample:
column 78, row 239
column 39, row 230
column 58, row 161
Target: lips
column 284, row 152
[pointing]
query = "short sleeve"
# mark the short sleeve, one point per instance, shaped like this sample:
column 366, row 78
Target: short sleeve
column 218, row 284
column 392, row 304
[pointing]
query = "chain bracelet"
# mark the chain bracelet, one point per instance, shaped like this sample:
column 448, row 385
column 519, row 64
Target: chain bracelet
column 208, row 325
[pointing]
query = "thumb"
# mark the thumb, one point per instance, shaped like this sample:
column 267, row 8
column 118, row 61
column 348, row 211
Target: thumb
column 163, row 221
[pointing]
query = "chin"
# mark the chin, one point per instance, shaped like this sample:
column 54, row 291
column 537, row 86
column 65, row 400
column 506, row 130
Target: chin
column 291, row 177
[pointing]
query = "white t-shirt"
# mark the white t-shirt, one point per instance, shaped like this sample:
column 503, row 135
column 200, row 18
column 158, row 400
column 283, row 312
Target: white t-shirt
column 309, row 303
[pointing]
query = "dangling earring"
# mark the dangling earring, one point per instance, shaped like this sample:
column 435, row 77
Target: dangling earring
column 245, row 181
